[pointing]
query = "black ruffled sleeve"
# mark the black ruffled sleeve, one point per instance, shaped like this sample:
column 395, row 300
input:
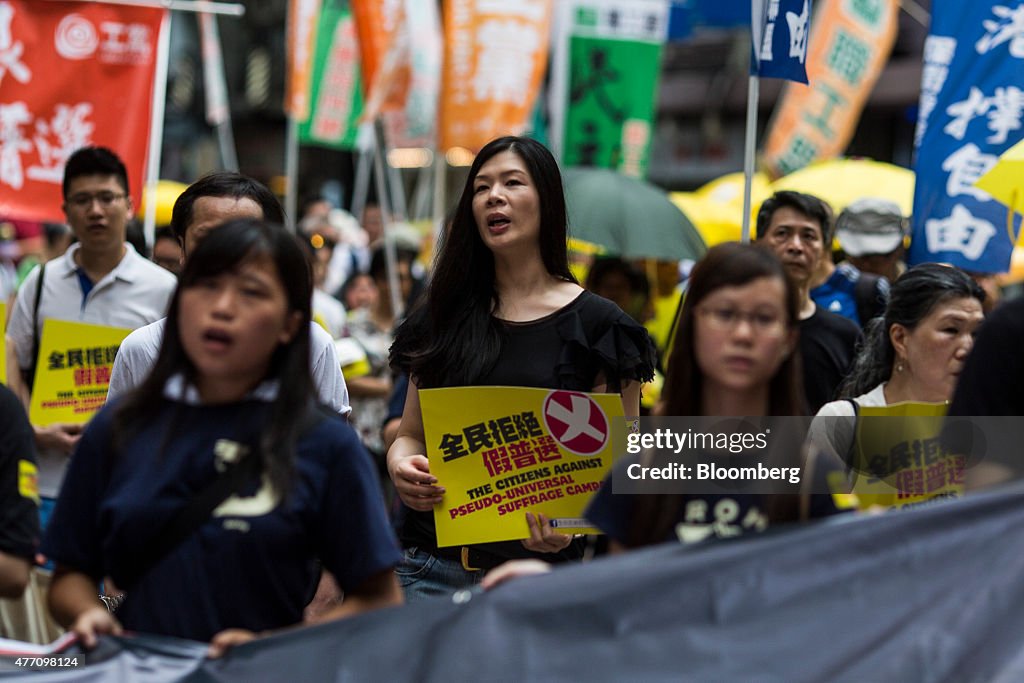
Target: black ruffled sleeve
column 610, row 343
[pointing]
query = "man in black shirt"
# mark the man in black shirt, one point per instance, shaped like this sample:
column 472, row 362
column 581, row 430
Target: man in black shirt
column 19, row 496
column 798, row 228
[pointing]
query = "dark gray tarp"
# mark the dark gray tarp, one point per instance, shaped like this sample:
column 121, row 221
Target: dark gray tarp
column 933, row 594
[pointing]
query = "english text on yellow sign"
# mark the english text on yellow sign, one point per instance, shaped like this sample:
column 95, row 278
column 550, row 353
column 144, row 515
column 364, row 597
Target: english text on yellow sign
column 502, row 451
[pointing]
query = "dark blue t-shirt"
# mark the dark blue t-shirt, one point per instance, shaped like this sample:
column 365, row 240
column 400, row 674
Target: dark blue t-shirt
column 252, row 564
column 699, row 516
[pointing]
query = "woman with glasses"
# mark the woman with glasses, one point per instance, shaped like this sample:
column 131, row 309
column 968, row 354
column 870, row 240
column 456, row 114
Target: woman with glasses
column 734, row 355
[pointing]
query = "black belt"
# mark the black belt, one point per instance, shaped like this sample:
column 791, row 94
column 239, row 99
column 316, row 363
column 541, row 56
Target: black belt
column 472, row 559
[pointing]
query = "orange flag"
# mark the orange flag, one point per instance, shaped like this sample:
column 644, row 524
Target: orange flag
column 384, row 50
column 850, row 43
column 302, row 18
column 495, row 55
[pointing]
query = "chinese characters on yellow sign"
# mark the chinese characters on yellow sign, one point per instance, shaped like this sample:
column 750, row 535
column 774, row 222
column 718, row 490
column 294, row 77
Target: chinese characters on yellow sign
column 502, row 451
column 73, row 371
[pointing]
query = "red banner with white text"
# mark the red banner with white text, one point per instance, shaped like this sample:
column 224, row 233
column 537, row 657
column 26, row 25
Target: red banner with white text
column 72, row 74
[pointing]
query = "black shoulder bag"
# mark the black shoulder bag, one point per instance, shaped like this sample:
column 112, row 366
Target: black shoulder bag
column 232, row 480
column 29, row 373
column 192, row 516
column 865, row 295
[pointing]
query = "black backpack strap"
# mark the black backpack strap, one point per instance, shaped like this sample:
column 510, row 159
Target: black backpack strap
column 192, row 516
column 234, row 477
column 865, row 293
column 853, row 435
column 30, row 372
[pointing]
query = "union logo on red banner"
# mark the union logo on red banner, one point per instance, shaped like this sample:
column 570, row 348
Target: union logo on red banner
column 72, row 74
column 576, row 422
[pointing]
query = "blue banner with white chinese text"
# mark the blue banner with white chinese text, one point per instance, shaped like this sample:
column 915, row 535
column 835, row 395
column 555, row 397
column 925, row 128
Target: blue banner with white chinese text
column 972, row 99
column 779, row 38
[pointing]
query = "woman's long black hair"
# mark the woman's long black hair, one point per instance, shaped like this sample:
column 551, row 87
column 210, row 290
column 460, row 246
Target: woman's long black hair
column 913, row 296
column 450, row 338
column 223, row 251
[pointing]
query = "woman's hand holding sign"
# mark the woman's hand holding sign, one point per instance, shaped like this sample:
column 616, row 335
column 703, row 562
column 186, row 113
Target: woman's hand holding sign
column 543, row 538
column 408, row 468
column 414, row 482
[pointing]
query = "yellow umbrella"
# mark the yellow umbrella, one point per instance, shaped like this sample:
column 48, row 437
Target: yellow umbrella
column 842, row 181
column 1016, row 272
column 716, row 222
column 1005, row 180
column 167, row 192
column 728, row 189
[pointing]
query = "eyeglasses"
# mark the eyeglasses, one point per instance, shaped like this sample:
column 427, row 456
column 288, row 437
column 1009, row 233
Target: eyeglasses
column 727, row 319
column 84, row 200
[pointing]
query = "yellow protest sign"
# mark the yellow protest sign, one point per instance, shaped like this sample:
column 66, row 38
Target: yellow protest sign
column 28, row 480
column 502, row 451
column 3, row 342
column 898, row 458
column 73, row 371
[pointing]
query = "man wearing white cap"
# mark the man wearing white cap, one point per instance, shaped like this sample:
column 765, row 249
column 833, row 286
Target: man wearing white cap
column 870, row 232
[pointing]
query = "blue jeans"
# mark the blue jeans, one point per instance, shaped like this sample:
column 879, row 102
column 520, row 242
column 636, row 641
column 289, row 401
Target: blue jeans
column 46, row 506
column 426, row 577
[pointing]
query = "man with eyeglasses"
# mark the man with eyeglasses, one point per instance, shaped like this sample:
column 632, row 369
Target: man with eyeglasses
column 798, row 228
column 101, row 280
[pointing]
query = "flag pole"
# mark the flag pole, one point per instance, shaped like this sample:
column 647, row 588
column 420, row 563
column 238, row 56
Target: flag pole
column 364, row 163
column 156, row 127
column 291, row 172
column 218, row 111
column 749, row 147
column 384, row 199
column 440, row 185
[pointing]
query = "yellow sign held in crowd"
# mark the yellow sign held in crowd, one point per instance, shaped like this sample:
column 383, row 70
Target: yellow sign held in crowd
column 73, row 371
column 502, row 451
column 899, row 460
column 3, row 342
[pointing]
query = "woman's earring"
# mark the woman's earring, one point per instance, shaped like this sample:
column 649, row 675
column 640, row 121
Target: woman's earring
column 899, row 367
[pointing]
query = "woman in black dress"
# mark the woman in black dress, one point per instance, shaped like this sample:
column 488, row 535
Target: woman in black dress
column 503, row 309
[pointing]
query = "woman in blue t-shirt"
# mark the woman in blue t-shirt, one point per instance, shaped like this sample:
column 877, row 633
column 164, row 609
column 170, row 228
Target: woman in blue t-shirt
column 230, row 399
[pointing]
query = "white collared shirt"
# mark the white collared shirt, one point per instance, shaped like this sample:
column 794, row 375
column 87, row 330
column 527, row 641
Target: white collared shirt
column 177, row 389
column 139, row 351
column 135, row 293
